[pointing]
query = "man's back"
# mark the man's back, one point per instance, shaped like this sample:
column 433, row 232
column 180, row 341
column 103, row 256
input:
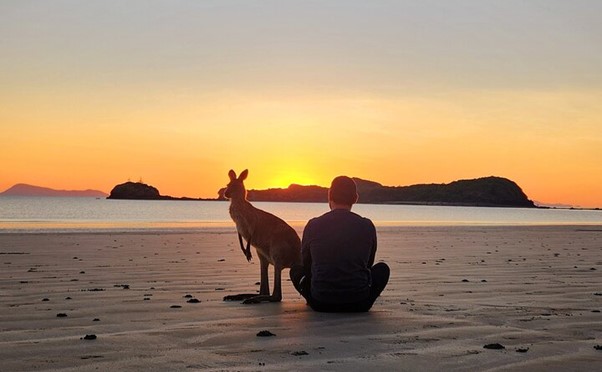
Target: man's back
column 339, row 246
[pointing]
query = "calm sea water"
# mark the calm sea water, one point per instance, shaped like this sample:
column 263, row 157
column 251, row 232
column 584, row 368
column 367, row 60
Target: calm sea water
column 47, row 214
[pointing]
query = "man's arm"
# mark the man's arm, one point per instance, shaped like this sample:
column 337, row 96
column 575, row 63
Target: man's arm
column 373, row 251
column 305, row 251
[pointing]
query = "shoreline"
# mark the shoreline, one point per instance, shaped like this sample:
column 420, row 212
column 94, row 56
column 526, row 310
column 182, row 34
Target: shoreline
column 297, row 225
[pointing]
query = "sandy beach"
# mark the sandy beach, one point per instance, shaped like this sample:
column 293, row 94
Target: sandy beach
column 537, row 291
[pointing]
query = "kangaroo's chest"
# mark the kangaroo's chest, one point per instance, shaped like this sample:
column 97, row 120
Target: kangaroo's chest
column 244, row 224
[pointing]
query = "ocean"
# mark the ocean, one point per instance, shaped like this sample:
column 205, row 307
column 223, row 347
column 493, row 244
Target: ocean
column 56, row 214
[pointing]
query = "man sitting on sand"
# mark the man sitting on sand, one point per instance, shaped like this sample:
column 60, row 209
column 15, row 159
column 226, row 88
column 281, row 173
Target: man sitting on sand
column 338, row 250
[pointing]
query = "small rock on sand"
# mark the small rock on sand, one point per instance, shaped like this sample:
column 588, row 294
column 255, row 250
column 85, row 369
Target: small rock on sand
column 89, row 337
column 265, row 333
column 495, row 346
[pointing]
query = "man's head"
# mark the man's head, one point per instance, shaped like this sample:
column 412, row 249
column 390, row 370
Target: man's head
column 342, row 193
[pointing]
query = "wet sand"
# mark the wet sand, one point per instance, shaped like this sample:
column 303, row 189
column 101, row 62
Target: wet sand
column 536, row 291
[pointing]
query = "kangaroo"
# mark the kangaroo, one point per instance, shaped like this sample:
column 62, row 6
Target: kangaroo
column 275, row 241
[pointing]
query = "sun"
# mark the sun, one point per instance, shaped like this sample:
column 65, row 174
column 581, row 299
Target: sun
column 284, row 178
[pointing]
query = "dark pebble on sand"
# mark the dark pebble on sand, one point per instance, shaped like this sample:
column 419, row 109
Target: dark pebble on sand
column 522, row 349
column 265, row 334
column 257, row 283
column 61, row 315
column 595, row 311
column 598, row 294
column 299, row 353
column 193, row 301
column 495, row 346
column 220, row 289
column 67, row 298
column 465, row 280
column 483, row 281
column 146, row 298
column 89, row 337
column 188, row 296
column 221, row 260
column 175, row 307
column 598, row 347
column 96, row 320
column 82, row 272
column 45, row 299
column 592, row 268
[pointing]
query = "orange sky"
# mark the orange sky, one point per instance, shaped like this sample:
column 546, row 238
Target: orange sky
column 400, row 94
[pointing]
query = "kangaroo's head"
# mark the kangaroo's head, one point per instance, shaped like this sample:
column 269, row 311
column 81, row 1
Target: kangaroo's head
column 236, row 188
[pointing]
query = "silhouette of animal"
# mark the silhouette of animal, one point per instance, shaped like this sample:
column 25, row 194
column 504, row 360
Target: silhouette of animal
column 275, row 241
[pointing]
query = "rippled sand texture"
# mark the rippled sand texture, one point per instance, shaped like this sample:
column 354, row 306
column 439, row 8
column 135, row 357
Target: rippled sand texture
column 537, row 291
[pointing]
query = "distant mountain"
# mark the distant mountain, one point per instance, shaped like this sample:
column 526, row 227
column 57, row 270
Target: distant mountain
column 22, row 189
column 486, row 192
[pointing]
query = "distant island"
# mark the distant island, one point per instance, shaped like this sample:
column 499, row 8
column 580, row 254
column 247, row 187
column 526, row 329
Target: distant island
column 481, row 192
column 141, row 191
column 22, row 189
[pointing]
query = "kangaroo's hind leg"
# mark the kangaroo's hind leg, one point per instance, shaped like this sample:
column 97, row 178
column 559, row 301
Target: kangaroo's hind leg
column 277, row 295
column 264, row 286
column 264, row 289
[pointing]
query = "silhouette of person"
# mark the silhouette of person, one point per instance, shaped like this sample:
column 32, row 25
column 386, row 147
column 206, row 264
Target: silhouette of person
column 338, row 249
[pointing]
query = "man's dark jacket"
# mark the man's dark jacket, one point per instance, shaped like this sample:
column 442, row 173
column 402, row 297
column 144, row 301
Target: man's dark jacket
column 339, row 247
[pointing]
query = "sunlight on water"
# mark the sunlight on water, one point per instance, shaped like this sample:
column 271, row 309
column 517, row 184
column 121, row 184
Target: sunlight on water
column 31, row 214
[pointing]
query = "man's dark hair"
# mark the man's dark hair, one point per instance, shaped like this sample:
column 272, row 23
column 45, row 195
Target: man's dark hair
column 343, row 190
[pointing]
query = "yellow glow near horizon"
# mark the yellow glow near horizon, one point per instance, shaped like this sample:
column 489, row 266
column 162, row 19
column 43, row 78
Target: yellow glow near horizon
column 311, row 139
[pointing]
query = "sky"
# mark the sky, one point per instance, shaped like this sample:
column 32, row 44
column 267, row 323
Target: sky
column 176, row 93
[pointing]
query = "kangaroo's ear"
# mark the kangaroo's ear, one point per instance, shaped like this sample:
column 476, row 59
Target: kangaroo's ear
column 243, row 175
column 232, row 175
